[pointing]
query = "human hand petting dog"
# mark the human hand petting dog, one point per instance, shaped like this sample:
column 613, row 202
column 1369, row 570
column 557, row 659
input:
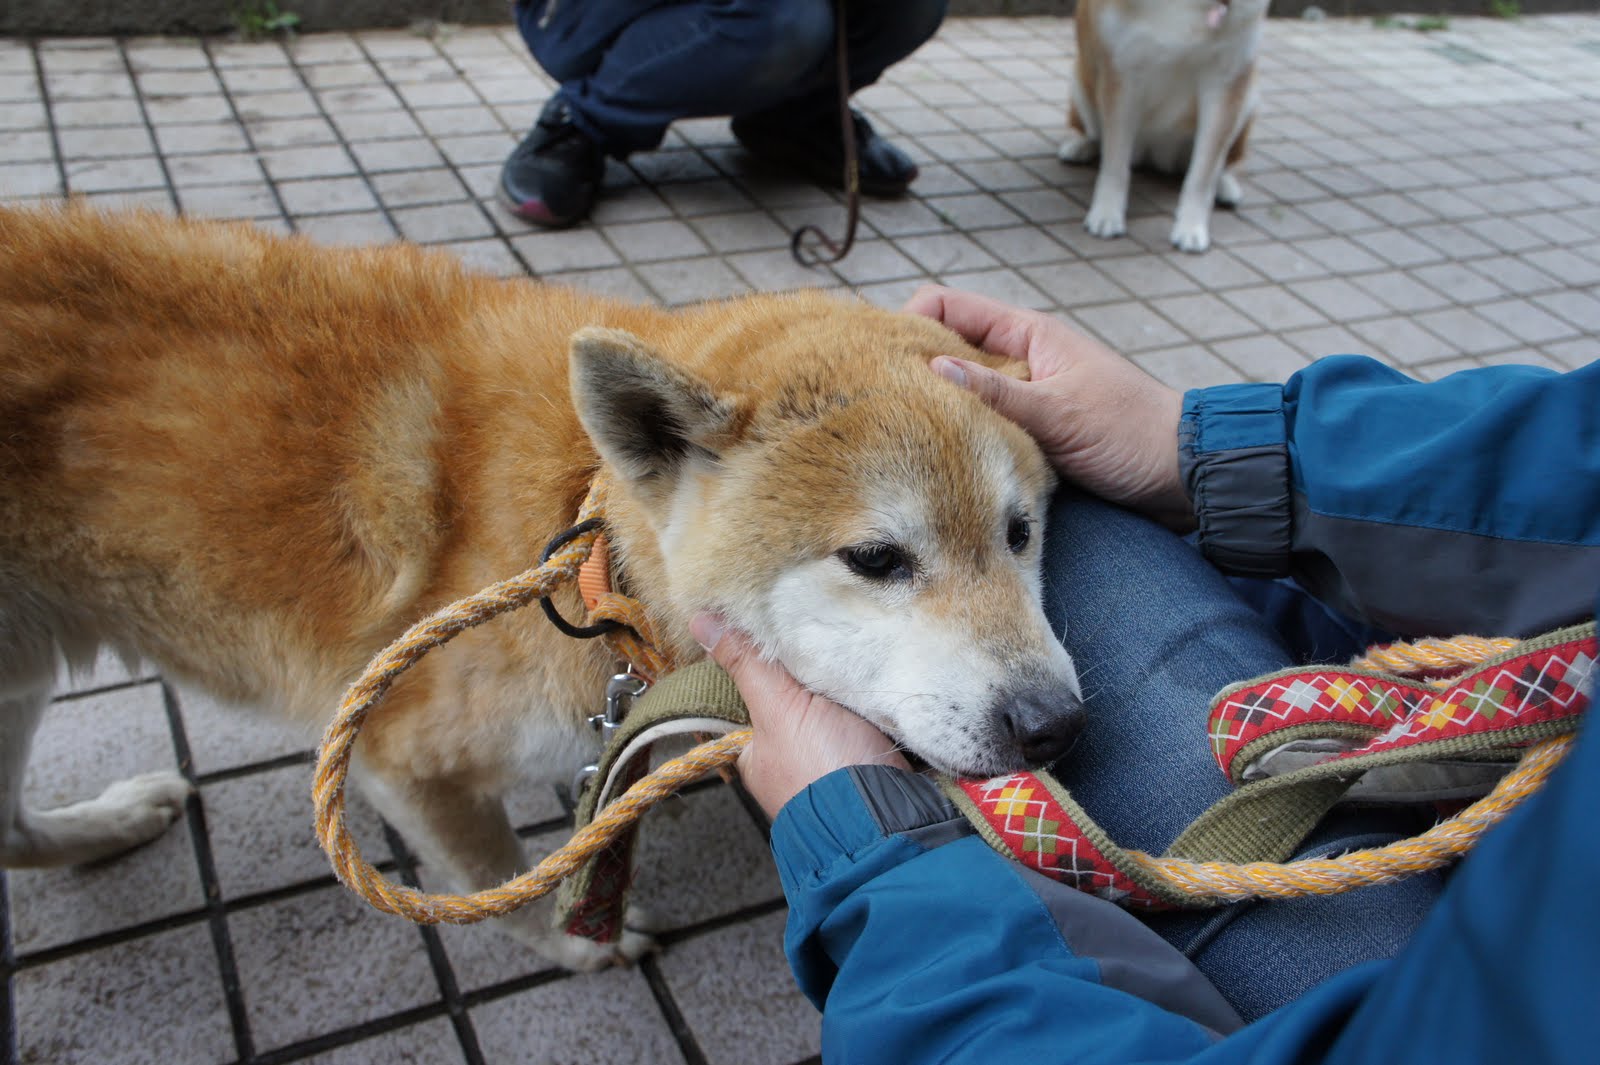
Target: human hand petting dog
column 800, row 737
column 1103, row 423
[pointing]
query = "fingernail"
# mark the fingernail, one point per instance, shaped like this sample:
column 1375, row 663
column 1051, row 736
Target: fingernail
column 707, row 629
column 951, row 370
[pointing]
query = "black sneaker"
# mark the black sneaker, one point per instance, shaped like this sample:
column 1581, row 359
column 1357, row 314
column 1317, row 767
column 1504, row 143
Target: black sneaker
column 551, row 178
column 816, row 152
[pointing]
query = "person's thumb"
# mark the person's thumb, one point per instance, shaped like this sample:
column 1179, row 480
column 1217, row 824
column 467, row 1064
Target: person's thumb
column 734, row 652
column 1005, row 394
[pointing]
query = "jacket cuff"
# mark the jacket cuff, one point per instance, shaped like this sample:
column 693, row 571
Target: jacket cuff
column 1233, row 455
column 850, row 810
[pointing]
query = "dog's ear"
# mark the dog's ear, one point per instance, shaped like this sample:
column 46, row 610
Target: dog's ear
column 645, row 416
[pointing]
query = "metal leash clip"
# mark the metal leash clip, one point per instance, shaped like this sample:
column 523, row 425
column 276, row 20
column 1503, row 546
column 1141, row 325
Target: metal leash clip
column 621, row 690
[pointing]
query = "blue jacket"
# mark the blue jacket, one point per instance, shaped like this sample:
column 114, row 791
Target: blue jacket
column 1470, row 504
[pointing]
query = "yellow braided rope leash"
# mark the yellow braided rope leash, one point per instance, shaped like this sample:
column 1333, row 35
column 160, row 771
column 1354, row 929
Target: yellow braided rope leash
column 1433, row 655
column 1200, row 882
column 1223, row 882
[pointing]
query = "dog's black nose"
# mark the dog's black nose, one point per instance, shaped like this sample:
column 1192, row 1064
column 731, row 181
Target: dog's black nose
column 1043, row 726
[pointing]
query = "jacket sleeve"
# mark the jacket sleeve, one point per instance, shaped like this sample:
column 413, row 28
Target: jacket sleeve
column 1470, row 504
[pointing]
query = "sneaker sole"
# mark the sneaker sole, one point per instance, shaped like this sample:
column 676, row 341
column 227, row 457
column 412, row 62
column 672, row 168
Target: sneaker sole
column 535, row 212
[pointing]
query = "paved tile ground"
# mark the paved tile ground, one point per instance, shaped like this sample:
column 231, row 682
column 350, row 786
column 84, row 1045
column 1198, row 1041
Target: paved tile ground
column 1428, row 198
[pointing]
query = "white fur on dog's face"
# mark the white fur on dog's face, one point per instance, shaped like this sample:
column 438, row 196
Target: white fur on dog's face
column 880, row 540
column 903, row 652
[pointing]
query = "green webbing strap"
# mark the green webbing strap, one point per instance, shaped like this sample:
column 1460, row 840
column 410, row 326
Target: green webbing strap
column 700, row 691
column 1266, row 820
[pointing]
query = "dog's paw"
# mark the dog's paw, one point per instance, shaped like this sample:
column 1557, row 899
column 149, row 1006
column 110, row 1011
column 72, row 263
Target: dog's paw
column 1228, row 191
column 144, row 806
column 1078, row 150
column 1106, row 222
column 1194, row 237
column 586, row 956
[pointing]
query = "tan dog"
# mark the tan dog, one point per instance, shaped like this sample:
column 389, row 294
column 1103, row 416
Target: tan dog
column 253, row 461
column 1168, row 84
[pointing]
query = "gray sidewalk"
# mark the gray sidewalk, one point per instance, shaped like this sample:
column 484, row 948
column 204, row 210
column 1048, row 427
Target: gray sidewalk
column 1427, row 198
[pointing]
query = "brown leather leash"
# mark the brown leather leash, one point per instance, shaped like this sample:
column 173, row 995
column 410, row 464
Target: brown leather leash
column 836, row 250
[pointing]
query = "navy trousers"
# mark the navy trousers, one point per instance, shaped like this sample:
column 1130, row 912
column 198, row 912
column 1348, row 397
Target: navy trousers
column 629, row 68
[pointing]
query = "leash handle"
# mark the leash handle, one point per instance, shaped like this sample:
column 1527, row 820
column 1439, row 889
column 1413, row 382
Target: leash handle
column 836, row 250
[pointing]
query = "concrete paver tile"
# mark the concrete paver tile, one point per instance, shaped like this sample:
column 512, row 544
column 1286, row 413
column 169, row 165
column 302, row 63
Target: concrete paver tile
column 356, row 227
column 1527, row 322
column 609, row 1016
column 146, row 1002
column 680, row 281
column 1468, row 332
column 442, row 222
column 1129, row 327
column 428, row 1043
column 1262, row 357
column 326, row 196
column 261, row 839
column 734, row 990
column 1274, row 307
column 1004, row 284
column 1402, row 342
column 1203, row 316
column 1582, row 309
column 325, row 939
column 1187, row 366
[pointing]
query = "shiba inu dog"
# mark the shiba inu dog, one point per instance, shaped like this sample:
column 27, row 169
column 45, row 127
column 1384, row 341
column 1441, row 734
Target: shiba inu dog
column 1168, row 84
column 254, row 461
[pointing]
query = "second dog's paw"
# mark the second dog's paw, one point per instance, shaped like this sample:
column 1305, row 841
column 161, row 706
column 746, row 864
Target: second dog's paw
column 1078, row 149
column 1192, row 237
column 586, row 956
column 1105, row 222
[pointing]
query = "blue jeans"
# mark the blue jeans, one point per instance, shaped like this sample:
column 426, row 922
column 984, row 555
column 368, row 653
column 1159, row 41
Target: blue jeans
column 1156, row 631
column 629, row 68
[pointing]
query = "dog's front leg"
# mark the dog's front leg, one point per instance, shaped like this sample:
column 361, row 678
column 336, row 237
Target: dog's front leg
column 1119, row 120
column 469, row 841
column 1222, row 112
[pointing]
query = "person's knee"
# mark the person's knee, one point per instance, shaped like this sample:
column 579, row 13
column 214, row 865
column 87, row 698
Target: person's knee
column 907, row 25
column 779, row 45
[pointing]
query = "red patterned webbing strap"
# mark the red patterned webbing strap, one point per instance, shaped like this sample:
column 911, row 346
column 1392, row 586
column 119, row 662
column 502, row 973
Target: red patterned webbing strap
column 1536, row 690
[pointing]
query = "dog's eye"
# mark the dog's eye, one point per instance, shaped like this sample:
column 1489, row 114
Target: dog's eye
column 877, row 562
column 1018, row 533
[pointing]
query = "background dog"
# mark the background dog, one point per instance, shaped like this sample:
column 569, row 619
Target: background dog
column 1169, row 84
column 254, row 461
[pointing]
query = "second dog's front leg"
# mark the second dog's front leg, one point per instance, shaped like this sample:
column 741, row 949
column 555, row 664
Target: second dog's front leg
column 1222, row 114
column 468, row 839
column 1108, row 211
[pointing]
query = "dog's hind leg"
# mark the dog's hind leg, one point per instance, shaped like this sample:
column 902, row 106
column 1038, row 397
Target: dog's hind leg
column 126, row 814
column 1229, row 193
column 469, row 840
column 1082, row 146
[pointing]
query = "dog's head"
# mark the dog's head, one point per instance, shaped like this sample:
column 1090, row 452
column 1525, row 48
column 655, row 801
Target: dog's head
column 793, row 465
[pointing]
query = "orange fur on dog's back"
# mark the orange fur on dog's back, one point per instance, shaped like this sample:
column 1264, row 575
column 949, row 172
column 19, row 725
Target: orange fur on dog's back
column 286, row 428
